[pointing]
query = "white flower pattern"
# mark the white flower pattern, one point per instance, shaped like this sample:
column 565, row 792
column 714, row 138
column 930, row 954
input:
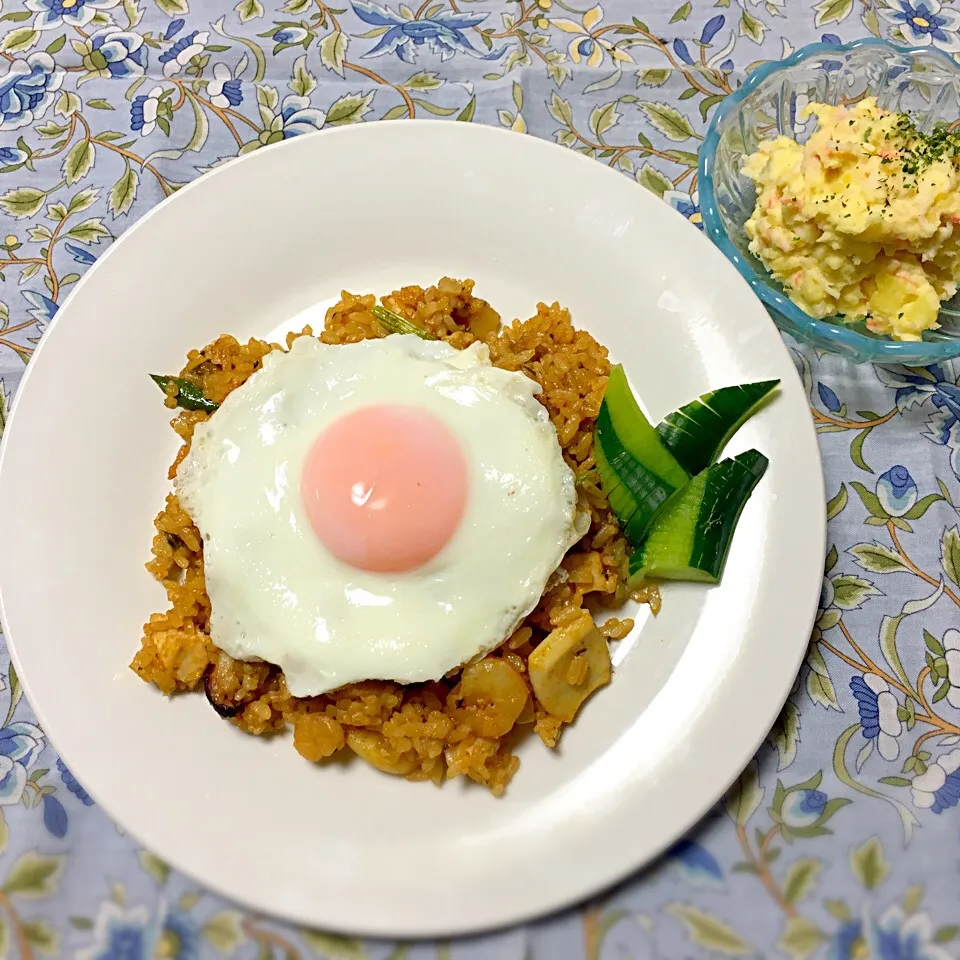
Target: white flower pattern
column 938, row 787
column 879, row 713
column 144, row 111
column 182, row 52
column 951, row 644
column 925, row 23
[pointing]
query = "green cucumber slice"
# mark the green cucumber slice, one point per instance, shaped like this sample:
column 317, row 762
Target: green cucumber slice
column 635, row 433
column 636, row 471
column 697, row 433
column 691, row 535
column 634, row 492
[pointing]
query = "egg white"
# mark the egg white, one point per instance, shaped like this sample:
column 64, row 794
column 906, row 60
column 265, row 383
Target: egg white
column 278, row 595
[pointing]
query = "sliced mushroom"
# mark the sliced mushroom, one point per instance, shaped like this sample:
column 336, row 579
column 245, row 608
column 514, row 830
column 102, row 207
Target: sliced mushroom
column 490, row 697
column 221, row 685
column 571, row 662
column 376, row 750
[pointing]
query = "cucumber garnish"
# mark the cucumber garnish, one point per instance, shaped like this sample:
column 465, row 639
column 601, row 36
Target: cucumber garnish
column 636, row 471
column 697, row 432
column 634, row 492
column 635, row 433
column 680, row 528
column 691, row 534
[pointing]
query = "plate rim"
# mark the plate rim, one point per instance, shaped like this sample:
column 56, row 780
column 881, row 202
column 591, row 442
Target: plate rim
column 745, row 748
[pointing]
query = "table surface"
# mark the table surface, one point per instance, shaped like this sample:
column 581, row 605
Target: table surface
column 841, row 838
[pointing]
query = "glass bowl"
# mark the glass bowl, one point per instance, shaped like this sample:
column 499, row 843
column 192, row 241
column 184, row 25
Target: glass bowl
column 917, row 80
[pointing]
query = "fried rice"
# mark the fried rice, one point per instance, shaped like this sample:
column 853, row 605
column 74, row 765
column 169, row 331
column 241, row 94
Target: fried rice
column 425, row 731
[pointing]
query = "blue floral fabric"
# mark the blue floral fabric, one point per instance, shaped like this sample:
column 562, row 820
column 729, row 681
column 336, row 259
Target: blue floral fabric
column 841, row 840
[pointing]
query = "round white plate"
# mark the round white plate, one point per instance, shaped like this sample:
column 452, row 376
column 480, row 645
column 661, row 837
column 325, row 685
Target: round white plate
column 265, row 243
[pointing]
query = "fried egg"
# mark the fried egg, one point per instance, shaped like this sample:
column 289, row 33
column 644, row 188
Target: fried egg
column 387, row 509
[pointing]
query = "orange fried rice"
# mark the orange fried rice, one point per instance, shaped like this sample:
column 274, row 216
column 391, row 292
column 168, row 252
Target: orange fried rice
column 458, row 726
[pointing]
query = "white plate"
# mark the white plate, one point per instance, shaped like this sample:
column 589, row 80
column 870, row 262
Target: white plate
column 276, row 236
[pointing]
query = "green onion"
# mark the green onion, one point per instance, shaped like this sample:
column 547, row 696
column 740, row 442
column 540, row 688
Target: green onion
column 189, row 395
column 397, row 324
column 586, row 476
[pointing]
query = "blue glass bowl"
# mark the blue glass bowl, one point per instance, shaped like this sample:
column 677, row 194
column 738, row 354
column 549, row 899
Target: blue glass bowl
column 920, row 81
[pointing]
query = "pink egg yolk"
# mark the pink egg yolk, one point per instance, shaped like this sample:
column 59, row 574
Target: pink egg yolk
column 385, row 488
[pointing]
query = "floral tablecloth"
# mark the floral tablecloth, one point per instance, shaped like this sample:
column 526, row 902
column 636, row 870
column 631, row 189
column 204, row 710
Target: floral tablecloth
column 842, row 838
